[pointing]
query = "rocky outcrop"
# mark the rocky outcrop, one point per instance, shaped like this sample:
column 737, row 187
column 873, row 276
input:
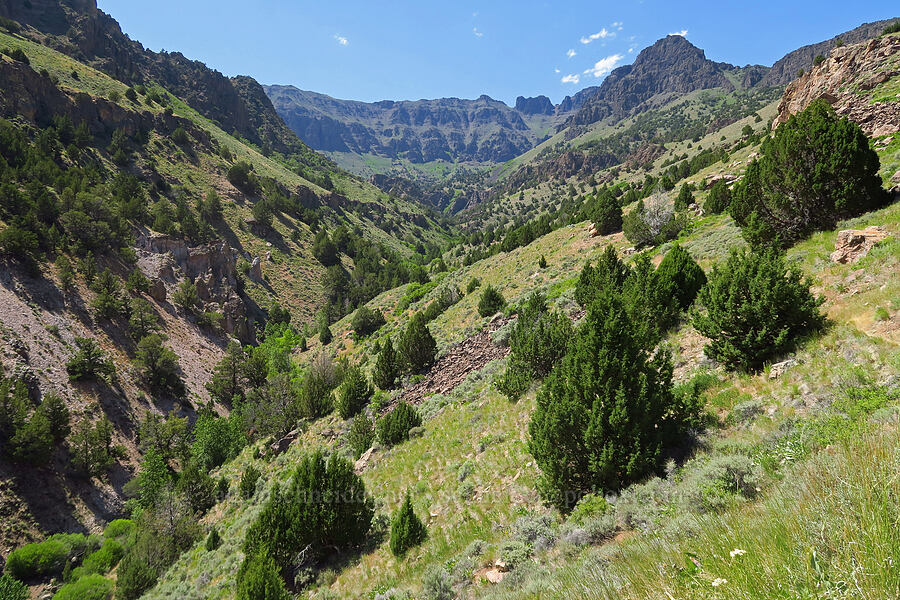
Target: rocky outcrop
column 166, row 261
column 847, row 80
column 539, row 105
column 853, row 244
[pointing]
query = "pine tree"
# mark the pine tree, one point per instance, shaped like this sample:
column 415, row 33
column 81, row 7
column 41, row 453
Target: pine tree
column 158, row 364
column 143, row 320
column 417, row 348
column 606, row 412
column 407, row 530
column 228, row 374
column 108, row 301
column 89, row 361
column 607, row 213
column 387, row 367
column 65, row 273
column 186, row 296
column 815, row 170
column 755, row 309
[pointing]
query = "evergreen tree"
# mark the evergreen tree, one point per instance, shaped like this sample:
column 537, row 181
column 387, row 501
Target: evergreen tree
column 417, row 348
column 65, row 273
column 815, row 170
column 325, row 334
column 158, row 364
column 89, row 361
column 393, row 428
column 718, row 199
column 680, row 277
column 366, row 321
column 213, row 540
column 227, row 377
column 407, row 530
column 197, row 487
column 186, row 296
column 54, row 408
column 361, row 434
column 685, row 197
column 755, row 309
column 610, row 272
column 607, row 213
column 606, row 413
column 259, row 579
column 108, row 301
column 491, row 302
column 387, row 367
column 153, row 477
column 142, row 320
column 324, row 249
column 354, row 393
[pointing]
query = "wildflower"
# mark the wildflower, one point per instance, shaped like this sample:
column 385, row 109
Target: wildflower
column 719, row 581
column 737, row 552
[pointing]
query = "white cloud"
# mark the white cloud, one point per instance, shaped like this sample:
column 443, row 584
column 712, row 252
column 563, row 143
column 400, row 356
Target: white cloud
column 571, row 52
column 617, row 25
column 556, row 71
column 682, row 33
column 341, row 40
column 602, row 34
column 574, row 78
column 477, row 33
column 630, row 50
column 604, row 65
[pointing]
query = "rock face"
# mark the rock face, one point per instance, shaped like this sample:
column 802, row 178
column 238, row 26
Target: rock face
column 847, row 79
column 785, row 69
column 421, row 131
column 212, row 267
column 853, row 244
column 539, row 105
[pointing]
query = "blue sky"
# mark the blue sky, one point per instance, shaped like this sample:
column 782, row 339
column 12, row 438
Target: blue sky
column 374, row 50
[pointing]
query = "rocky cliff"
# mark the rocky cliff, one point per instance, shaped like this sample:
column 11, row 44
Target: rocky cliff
column 852, row 79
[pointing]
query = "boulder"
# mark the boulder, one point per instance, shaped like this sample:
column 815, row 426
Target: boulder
column 363, row 461
column 157, row 290
column 778, row 369
column 853, row 244
column 256, row 270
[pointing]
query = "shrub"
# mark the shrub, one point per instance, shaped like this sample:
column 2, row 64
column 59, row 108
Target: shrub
column 259, row 579
column 89, row 587
column 417, row 348
column 354, row 393
column 12, row 589
column 711, row 485
column 102, row 560
column 607, row 411
column 324, row 249
column 393, row 428
column 755, row 309
column 241, row 176
column 185, row 296
column 46, row 558
column 88, row 362
column 361, row 434
column 491, row 302
column 892, row 28
column 652, row 223
column 213, row 540
column 437, row 585
column 407, row 530
column 325, row 335
column 387, row 367
column 473, row 285
column 815, row 170
column 680, row 277
column 590, row 505
column 180, row 136
column 134, row 576
column 248, row 481
column 366, row 321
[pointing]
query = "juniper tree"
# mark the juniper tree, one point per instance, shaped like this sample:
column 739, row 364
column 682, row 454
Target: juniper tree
column 754, row 308
column 387, row 367
column 417, row 348
column 685, row 197
column 354, row 393
column 407, row 530
column 491, row 301
column 606, row 413
column 680, row 277
column 718, row 199
column 227, row 378
column 815, row 170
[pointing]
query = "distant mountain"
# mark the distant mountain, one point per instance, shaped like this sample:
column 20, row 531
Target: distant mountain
column 78, row 28
column 482, row 130
column 672, row 65
column 785, row 70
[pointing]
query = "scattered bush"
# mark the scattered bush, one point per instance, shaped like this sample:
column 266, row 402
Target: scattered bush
column 407, row 530
column 473, row 285
column 491, row 302
column 366, row 321
column 755, row 309
column 248, row 481
column 717, row 482
column 437, row 585
column 393, row 428
column 46, row 558
column 12, row 589
column 259, row 579
column 89, row 587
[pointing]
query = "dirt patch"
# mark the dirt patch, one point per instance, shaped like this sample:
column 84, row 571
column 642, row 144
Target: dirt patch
column 472, row 354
